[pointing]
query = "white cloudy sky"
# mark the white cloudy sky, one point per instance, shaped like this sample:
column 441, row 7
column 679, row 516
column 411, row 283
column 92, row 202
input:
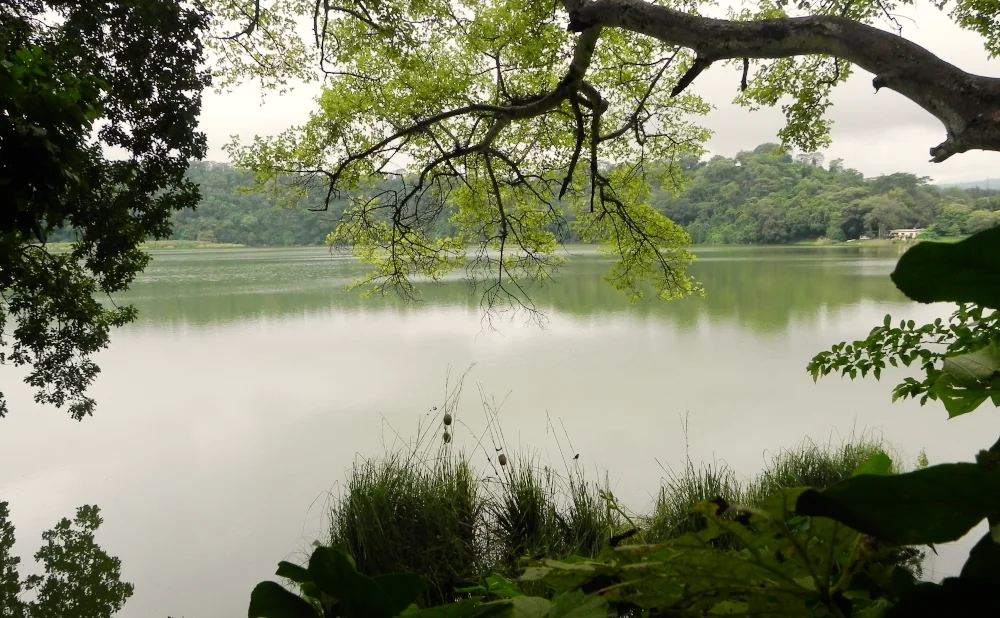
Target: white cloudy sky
column 874, row 133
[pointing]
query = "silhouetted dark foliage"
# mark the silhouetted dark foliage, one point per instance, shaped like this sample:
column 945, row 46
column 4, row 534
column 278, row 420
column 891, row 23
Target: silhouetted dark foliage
column 80, row 579
column 80, row 81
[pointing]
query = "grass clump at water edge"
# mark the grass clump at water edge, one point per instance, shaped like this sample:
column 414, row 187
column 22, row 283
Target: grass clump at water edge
column 427, row 509
column 398, row 515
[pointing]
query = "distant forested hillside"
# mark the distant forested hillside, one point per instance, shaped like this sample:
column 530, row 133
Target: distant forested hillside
column 761, row 196
column 764, row 196
column 229, row 215
column 985, row 183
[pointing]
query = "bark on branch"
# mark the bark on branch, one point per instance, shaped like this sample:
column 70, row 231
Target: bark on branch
column 968, row 105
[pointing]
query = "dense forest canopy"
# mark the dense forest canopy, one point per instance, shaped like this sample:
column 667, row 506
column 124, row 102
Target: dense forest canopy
column 762, row 196
column 767, row 197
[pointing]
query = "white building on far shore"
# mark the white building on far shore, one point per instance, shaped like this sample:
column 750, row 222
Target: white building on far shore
column 906, row 232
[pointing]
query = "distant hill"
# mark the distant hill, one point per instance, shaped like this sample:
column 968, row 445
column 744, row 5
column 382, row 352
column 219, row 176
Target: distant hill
column 990, row 183
column 760, row 197
column 763, row 196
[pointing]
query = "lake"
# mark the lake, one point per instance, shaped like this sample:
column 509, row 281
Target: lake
column 230, row 411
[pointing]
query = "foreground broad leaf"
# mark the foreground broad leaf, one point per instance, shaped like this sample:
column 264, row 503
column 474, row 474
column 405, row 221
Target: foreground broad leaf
column 984, row 560
column 937, row 504
column 400, row 589
column 879, row 463
column 968, row 380
column 962, row 272
column 502, row 587
column 294, row 572
column 466, row 608
column 360, row 595
column 578, row 605
column 975, row 368
column 957, row 400
column 528, row 607
column 953, row 597
column 270, row 600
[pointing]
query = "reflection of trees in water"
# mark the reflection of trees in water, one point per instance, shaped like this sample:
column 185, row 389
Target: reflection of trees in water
column 758, row 288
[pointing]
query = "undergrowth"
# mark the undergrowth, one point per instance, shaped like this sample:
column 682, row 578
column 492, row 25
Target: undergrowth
column 425, row 508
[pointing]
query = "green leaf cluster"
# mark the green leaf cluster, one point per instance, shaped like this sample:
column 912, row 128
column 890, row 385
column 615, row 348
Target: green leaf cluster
column 961, row 363
column 959, row 357
column 463, row 133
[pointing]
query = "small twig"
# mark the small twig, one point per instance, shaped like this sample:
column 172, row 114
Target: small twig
column 250, row 27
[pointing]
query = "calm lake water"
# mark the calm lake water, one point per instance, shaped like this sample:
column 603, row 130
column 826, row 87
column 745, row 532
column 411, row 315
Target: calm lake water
column 229, row 412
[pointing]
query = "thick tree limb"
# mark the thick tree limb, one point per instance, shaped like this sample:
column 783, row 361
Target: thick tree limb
column 700, row 64
column 968, row 105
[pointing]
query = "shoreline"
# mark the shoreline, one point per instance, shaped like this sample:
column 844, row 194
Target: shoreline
column 169, row 245
column 176, row 245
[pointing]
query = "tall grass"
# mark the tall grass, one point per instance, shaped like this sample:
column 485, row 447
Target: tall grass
column 589, row 521
column 521, row 514
column 425, row 508
column 397, row 515
column 442, row 519
column 809, row 464
column 672, row 514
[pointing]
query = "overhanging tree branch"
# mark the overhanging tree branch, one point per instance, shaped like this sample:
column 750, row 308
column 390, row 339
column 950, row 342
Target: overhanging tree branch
column 253, row 20
column 486, row 161
column 967, row 105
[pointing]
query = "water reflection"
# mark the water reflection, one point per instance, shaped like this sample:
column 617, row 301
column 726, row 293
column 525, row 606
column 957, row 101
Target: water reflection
column 763, row 289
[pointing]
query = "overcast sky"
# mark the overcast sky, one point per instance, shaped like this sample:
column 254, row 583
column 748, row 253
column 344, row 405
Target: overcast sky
column 874, row 133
